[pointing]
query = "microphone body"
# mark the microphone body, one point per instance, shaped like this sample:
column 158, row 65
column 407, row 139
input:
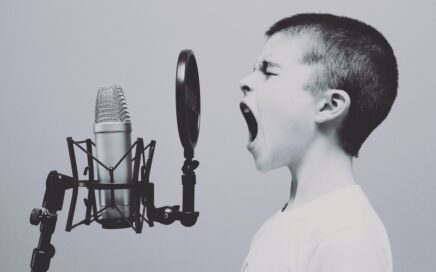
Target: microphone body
column 112, row 130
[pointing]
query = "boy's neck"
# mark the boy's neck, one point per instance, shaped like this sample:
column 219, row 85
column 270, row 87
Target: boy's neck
column 324, row 168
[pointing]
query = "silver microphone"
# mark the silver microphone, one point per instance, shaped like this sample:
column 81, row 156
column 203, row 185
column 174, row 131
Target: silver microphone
column 112, row 130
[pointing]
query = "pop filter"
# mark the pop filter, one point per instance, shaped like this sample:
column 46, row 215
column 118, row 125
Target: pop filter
column 188, row 101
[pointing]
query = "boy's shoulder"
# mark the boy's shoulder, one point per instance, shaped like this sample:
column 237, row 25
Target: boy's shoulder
column 342, row 210
column 344, row 223
column 343, row 218
column 346, row 208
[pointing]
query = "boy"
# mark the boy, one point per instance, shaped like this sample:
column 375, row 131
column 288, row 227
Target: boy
column 321, row 85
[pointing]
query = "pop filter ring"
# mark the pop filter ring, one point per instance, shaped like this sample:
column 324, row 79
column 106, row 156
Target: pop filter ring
column 188, row 101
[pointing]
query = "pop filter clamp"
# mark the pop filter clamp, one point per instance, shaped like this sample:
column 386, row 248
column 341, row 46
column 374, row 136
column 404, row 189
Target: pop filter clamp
column 142, row 190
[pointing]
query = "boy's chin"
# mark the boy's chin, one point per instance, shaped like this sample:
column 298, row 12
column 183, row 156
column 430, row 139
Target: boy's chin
column 266, row 163
column 263, row 165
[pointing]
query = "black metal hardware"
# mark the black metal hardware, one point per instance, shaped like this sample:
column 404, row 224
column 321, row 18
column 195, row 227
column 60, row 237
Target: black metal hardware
column 142, row 201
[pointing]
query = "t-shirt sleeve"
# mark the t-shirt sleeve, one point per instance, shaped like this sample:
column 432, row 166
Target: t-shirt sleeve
column 351, row 250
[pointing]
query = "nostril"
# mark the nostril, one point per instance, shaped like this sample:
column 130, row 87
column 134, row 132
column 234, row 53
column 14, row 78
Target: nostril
column 245, row 88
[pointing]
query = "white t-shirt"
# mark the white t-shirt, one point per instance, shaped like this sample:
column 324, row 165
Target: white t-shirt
column 337, row 232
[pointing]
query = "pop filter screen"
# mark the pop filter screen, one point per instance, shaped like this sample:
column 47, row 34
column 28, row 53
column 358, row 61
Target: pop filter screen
column 188, row 101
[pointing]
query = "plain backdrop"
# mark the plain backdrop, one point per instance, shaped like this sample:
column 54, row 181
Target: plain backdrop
column 55, row 54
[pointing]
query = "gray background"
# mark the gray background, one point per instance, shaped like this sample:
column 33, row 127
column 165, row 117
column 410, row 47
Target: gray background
column 54, row 55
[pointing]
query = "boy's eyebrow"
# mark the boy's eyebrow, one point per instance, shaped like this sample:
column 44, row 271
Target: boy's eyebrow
column 264, row 64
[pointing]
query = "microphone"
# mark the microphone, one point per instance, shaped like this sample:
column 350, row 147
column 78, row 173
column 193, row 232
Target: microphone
column 124, row 186
column 112, row 130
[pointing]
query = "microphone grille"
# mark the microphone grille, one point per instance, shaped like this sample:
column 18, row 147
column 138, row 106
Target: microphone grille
column 111, row 105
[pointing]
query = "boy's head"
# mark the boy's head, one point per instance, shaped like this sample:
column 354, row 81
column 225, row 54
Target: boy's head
column 318, row 73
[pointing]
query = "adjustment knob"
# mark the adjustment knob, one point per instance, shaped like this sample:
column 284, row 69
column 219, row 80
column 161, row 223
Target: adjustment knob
column 35, row 216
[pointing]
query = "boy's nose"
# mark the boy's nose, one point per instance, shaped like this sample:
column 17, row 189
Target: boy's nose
column 245, row 86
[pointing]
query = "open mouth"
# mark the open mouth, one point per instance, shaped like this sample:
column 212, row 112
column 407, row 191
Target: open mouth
column 250, row 119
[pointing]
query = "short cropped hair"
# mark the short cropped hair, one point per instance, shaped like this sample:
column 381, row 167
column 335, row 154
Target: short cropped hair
column 354, row 57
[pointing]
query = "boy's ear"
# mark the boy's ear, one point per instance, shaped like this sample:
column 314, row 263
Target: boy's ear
column 333, row 106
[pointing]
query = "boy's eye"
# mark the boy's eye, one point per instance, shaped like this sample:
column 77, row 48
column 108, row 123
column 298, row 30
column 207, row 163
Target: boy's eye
column 264, row 69
column 268, row 74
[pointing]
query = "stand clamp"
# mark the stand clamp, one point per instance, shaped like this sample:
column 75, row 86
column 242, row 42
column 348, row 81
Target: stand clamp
column 188, row 216
column 56, row 185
